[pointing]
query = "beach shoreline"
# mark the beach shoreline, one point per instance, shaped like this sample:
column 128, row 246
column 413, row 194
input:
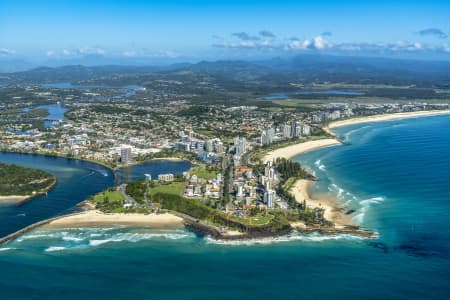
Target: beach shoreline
column 333, row 209
column 386, row 117
column 334, row 212
column 20, row 199
column 96, row 218
column 300, row 148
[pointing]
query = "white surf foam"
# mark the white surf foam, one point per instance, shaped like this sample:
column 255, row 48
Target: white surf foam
column 296, row 236
column 37, row 235
column 136, row 237
column 72, row 239
column 54, row 248
column 365, row 205
column 6, row 249
column 349, row 133
column 368, row 202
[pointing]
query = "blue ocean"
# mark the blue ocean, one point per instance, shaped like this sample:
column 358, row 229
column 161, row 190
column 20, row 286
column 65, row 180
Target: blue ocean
column 395, row 176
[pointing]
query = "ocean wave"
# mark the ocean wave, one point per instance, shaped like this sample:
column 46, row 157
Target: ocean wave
column 340, row 192
column 375, row 200
column 6, row 249
column 84, row 238
column 55, row 248
column 35, row 236
column 72, row 239
column 319, row 165
column 136, row 237
column 365, row 204
column 349, row 133
column 296, row 236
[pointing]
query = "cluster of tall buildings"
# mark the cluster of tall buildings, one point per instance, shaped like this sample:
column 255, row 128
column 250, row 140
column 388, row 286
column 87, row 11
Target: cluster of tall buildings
column 214, row 145
column 240, row 145
column 295, row 130
column 324, row 116
column 268, row 136
column 187, row 143
column 269, row 182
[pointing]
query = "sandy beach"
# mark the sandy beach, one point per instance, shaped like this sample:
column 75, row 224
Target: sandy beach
column 333, row 212
column 388, row 117
column 13, row 198
column 92, row 218
column 293, row 150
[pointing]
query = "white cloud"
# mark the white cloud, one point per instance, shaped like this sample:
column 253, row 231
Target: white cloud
column 75, row 52
column 91, row 50
column 148, row 53
column 265, row 44
column 317, row 43
column 320, row 43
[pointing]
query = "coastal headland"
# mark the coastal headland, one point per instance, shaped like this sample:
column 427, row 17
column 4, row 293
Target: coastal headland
column 333, row 210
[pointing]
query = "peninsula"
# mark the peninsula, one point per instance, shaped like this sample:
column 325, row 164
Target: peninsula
column 19, row 184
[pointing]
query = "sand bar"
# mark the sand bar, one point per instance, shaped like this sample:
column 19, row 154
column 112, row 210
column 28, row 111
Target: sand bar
column 92, row 218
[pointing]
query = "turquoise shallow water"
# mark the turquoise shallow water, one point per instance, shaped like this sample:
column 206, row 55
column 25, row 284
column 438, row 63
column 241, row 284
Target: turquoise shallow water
column 395, row 175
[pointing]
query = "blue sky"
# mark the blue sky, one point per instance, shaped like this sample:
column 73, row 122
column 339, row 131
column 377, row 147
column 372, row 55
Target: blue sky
column 51, row 30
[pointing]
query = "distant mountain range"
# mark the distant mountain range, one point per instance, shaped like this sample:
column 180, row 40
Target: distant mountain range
column 305, row 69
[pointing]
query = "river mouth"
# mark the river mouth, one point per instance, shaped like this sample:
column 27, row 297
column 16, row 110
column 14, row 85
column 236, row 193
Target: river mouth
column 76, row 181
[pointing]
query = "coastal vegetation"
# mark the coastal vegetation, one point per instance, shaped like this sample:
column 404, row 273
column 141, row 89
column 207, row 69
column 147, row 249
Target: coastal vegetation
column 21, row 181
column 261, row 221
column 137, row 189
column 112, row 201
column 289, row 168
column 109, row 201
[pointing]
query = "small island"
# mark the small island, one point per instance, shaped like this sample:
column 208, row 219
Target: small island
column 19, row 184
